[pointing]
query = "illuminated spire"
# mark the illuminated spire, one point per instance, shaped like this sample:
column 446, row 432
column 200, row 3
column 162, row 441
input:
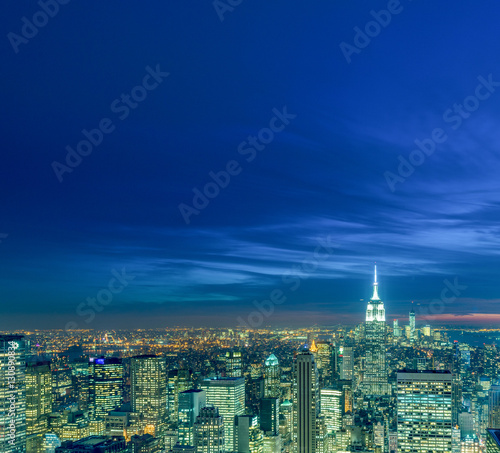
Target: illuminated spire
column 375, row 286
column 313, row 347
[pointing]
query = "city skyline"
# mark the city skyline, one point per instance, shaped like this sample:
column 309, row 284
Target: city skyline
column 223, row 390
column 202, row 164
column 250, row 227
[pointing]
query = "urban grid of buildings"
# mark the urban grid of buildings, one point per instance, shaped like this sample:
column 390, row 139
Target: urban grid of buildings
column 372, row 388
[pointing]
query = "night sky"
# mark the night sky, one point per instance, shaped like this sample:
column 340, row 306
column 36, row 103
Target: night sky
column 118, row 118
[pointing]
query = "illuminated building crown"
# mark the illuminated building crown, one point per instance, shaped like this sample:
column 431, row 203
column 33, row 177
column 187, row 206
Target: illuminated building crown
column 375, row 310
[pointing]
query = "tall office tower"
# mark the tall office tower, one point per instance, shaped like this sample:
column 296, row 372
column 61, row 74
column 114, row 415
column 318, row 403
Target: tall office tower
column 233, row 364
column 331, row 408
column 209, row 432
column 38, row 404
column 272, row 377
column 493, row 441
column 407, row 331
column 375, row 379
column 325, row 361
column 396, row 330
column 178, row 381
column 456, row 398
column 347, row 369
column 338, row 364
column 321, row 436
column 105, row 385
column 80, row 380
column 464, row 352
column 249, row 438
column 12, row 394
column 190, row 403
column 148, row 376
column 61, row 380
column 412, row 324
column 347, row 395
column 306, row 402
column 254, row 389
column 494, row 406
column 426, row 331
column 424, row 400
column 270, row 416
column 228, row 395
column 287, row 429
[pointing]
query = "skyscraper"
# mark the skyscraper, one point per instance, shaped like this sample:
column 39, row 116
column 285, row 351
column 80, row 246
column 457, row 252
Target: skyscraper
column 228, row 395
column 233, row 364
column 396, row 330
column 325, row 358
column 190, row 403
column 375, row 378
column 178, row 381
column 12, row 394
column 209, row 432
column 306, row 402
column 347, row 368
column 332, row 408
column 80, row 381
column 272, row 377
column 494, row 406
column 270, row 416
column 148, row 375
column 249, row 437
column 105, row 385
column 424, row 418
column 412, row 324
column 38, row 404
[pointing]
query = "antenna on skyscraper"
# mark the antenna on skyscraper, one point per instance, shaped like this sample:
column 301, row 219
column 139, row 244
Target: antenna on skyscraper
column 375, row 285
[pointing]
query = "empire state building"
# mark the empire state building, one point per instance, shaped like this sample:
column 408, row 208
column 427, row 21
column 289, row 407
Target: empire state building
column 375, row 378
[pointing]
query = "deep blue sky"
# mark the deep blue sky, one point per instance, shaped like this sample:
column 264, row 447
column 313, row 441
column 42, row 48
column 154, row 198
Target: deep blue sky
column 321, row 177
